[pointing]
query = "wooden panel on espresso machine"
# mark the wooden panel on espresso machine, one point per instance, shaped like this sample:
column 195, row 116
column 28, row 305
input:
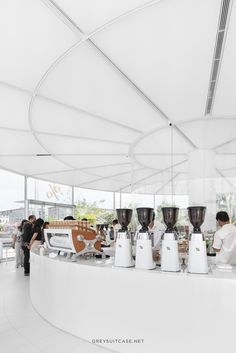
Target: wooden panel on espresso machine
column 78, row 228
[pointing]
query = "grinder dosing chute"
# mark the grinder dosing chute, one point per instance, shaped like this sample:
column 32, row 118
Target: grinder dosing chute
column 144, row 257
column 197, row 258
column 169, row 253
column 123, row 254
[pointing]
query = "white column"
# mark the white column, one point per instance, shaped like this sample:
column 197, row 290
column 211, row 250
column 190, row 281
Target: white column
column 26, row 203
column 73, row 200
column 114, row 201
column 201, row 184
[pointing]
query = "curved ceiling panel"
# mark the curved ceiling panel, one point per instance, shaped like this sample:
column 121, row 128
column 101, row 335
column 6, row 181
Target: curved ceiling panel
column 160, row 162
column 88, row 15
column 31, row 38
column 162, row 141
column 15, row 142
column 85, row 80
column 58, row 119
column 204, row 134
column 72, row 145
column 93, row 85
column 228, row 148
column 167, row 50
column 33, row 165
column 14, row 105
column 70, row 177
column 106, row 184
column 85, row 161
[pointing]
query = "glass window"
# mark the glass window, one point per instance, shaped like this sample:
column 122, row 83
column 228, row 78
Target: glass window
column 103, row 199
column 49, row 192
column 125, row 200
column 11, row 200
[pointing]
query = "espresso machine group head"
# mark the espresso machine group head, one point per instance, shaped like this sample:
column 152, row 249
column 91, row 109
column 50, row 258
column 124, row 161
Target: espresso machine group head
column 197, row 259
column 123, row 254
column 144, row 257
column 169, row 252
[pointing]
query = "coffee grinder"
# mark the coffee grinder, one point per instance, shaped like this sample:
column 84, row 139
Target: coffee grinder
column 169, row 252
column 144, row 257
column 197, row 258
column 123, row 254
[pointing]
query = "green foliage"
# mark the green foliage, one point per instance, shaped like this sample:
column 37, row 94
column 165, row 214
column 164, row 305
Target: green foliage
column 93, row 213
column 227, row 202
column 97, row 215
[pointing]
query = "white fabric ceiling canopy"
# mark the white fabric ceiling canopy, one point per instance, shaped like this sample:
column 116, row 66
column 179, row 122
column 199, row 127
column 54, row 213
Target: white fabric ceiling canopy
column 89, row 88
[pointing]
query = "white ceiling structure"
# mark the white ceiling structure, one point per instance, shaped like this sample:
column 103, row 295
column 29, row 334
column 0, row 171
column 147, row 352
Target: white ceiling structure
column 88, row 90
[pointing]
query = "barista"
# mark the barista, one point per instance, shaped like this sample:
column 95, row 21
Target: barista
column 68, row 255
column 224, row 242
column 116, row 227
column 157, row 229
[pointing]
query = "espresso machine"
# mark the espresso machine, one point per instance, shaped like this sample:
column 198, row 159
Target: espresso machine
column 197, row 258
column 144, row 257
column 72, row 236
column 169, row 252
column 123, row 254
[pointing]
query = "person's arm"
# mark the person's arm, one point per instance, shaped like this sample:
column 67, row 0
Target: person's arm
column 217, row 243
column 13, row 240
column 32, row 239
column 216, row 250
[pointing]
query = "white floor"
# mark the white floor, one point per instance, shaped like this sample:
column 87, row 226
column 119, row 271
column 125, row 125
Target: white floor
column 22, row 330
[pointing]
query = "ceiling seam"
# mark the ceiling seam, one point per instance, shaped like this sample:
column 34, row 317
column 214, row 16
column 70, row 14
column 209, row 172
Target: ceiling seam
column 80, row 110
column 81, row 138
column 158, row 172
column 110, row 176
column 225, row 143
column 226, row 179
column 88, row 168
column 165, row 184
column 68, row 106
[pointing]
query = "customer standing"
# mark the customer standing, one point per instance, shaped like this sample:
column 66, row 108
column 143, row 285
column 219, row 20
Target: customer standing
column 26, row 237
column 17, row 243
column 45, row 226
column 225, row 240
column 37, row 236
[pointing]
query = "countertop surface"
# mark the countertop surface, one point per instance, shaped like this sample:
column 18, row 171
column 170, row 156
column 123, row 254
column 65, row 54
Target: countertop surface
column 214, row 272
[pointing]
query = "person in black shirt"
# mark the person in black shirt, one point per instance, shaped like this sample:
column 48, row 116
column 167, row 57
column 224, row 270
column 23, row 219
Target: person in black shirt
column 36, row 239
column 26, row 238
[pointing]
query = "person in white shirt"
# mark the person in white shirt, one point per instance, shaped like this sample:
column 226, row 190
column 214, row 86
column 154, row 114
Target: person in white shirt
column 157, row 229
column 224, row 242
column 116, row 228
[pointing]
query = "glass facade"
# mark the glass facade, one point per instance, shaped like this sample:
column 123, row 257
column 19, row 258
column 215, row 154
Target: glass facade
column 55, row 201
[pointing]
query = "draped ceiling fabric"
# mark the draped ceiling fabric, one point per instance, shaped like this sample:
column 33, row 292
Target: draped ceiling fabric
column 88, row 90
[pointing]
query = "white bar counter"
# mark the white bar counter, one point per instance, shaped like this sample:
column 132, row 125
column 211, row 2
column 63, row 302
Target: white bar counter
column 137, row 311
